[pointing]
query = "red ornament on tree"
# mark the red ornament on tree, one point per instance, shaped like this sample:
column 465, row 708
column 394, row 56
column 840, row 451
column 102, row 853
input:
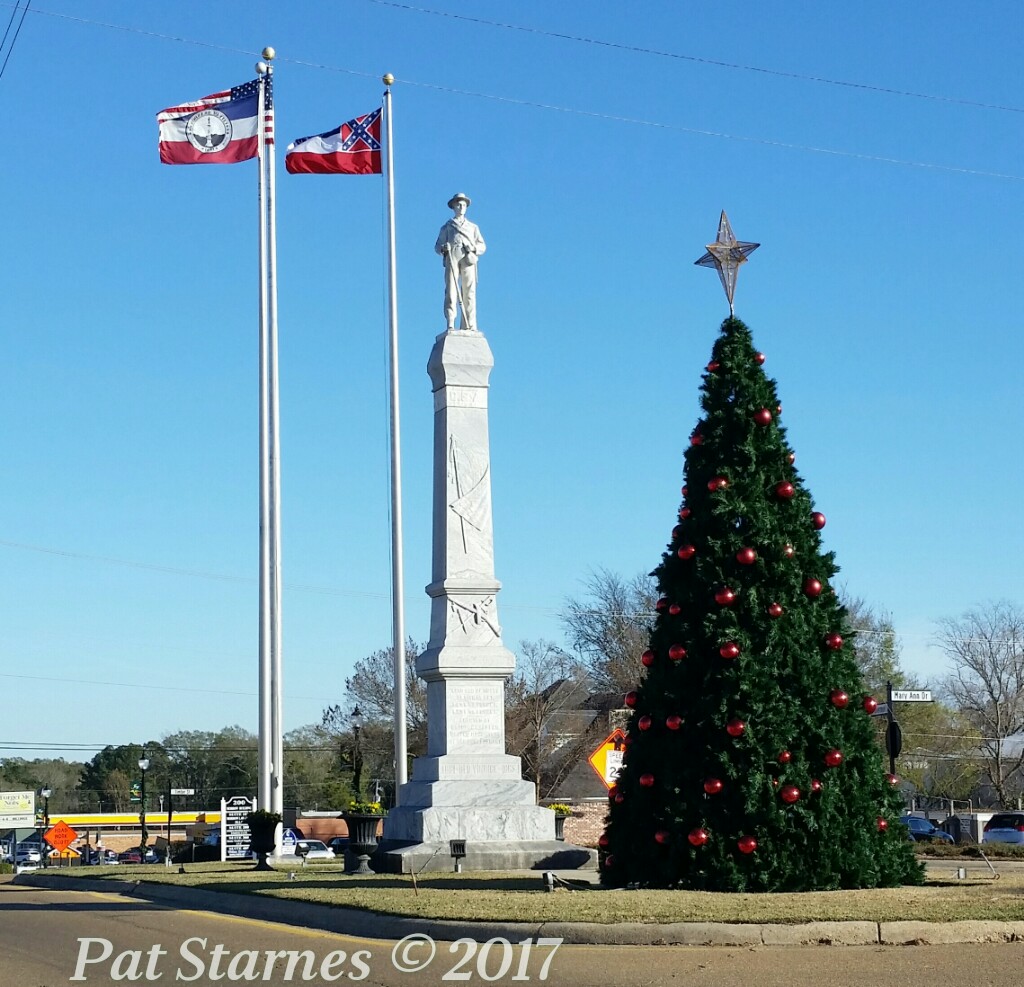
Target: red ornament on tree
column 677, row 652
column 644, row 723
column 870, row 704
column 619, row 798
column 713, row 366
column 673, row 722
column 812, row 587
column 613, row 790
column 677, row 531
column 684, row 512
column 815, row 785
column 717, row 483
column 735, row 728
column 647, row 780
column 785, row 490
column 893, row 780
column 775, row 610
column 647, row 658
column 746, row 556
column 791, row 458
column 790, row 794
column 698, row 837
column 603, row 841
column 839, row 699
column 834, row 641
column 725, row 596
column 661, row 604
column 818, row 520
column 662, row 836
column 686, row 551
column 729, row 650
column 609, row 862
column 696, row 439
column 685, row 491
column 747, row 844
column 784, row 757
column 631, row 698
column 675, row 609
column 762, row 416
column 712, row 786
column 788, row 551
column 883, row 824
column 759, row 359
column 834, row 758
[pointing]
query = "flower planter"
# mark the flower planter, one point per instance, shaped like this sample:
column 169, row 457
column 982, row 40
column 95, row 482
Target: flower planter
column 362, row 840
column 560, row 826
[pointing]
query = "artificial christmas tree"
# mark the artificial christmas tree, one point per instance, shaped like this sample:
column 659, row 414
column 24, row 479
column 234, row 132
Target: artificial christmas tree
column 751, row 762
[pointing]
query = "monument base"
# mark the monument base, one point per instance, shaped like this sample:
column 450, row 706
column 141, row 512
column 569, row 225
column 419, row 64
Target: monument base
column 496, row 855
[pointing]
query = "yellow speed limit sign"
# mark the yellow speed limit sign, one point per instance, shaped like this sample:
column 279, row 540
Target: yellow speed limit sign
column 607, row 759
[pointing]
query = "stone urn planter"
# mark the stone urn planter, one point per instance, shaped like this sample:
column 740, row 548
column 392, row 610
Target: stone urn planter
column 262, row 829
column 362, row 840
column 562, row 812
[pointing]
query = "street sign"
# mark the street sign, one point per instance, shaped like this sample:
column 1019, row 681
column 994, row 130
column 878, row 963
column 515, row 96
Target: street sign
column 17, row 810
column 234, row 830
column 911, row 696
column 881, row 710
column 60, row 836
column 607, row 759
column 894, row 739
column 183, row 791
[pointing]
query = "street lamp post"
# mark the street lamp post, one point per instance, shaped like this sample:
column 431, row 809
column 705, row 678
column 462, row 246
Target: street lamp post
column 357, row 720
column 143, row 767
column 45, row 794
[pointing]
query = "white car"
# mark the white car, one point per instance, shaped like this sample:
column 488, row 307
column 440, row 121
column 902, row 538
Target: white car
column 27, row 855
column 1004, row 827
column 313, row 850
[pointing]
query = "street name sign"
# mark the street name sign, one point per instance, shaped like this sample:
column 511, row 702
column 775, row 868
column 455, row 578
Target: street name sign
column 911, row 696
column 183, row 791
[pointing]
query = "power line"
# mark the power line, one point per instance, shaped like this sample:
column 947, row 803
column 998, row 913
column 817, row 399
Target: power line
column 639, row 50
column 14, row 40
column 593, row 114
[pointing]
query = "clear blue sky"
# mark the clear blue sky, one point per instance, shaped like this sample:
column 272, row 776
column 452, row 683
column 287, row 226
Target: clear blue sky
column 886, row 295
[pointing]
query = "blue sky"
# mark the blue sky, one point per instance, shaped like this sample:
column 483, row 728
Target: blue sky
column 885, row 295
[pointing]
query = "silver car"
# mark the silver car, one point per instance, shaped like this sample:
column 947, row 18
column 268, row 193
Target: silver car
column 313, row 850
column 1004, row 827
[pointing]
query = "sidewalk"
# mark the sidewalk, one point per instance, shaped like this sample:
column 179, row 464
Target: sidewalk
column 363, row 924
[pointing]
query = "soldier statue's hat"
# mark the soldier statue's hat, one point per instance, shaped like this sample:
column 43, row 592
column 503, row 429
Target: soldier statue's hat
column 455, row 198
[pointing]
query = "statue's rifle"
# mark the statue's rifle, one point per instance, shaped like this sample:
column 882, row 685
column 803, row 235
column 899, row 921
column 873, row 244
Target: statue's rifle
column 454, row 268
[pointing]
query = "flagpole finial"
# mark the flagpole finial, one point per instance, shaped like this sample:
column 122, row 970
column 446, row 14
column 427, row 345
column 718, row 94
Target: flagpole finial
column 269, row 54
column 387, row 79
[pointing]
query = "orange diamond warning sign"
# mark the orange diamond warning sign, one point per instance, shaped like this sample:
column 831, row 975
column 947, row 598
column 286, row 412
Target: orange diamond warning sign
column 61, row 836
column 607, row 759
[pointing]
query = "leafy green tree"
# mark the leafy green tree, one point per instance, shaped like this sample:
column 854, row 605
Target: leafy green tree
column 751, row 762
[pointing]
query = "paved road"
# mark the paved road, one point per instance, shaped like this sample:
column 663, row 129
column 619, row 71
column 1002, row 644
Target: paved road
column 41, row 935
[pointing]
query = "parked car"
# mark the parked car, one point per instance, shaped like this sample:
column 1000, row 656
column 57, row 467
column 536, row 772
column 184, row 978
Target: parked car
column 924, row 830
column 313, row 850
column 129, row 857
column 1004, row 827
column 339, row 844
column 27, row 855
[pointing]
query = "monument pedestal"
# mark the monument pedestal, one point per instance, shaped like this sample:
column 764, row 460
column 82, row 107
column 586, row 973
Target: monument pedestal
column 467, row 787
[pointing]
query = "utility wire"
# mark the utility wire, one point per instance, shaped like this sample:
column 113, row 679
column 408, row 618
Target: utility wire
column 637, row 49
column 593, row 114
column 14, row 40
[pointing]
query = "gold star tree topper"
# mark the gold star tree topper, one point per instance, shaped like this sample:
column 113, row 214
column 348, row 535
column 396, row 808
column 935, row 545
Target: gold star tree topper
column 726, row 255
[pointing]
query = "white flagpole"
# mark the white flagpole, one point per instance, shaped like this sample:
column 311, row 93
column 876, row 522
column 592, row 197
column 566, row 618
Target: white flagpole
column 397, row 581
column 265, row 753
column 277, row 712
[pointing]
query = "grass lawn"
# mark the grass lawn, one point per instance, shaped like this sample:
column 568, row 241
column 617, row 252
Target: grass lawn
column 522, row 898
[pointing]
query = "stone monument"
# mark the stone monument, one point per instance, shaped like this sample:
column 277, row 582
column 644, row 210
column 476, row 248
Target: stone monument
column 467, row 787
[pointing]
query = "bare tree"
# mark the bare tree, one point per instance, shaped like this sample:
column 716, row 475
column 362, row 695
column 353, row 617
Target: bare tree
column 986, row 649
column 610, row 626
column 546, row 722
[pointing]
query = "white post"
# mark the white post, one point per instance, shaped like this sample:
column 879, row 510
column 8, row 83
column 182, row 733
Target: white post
column 265, row 753
column 398, row 602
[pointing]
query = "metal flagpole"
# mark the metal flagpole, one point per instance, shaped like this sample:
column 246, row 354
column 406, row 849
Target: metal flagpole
column 276, row 713
column 398, row 602
column 265, row 754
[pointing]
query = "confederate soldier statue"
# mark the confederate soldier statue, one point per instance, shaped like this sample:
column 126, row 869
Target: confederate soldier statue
column 460, row 244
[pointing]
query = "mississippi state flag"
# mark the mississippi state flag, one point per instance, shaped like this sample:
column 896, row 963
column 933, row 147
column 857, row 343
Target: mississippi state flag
column 351, row 149
column 218, row 129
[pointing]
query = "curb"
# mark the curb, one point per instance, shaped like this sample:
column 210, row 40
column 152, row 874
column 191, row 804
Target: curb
column 369, row 925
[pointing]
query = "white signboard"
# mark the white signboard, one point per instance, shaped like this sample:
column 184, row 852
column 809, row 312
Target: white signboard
column 612, row 765
column 17, row 810
column 183, row 791
column 912, row 696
